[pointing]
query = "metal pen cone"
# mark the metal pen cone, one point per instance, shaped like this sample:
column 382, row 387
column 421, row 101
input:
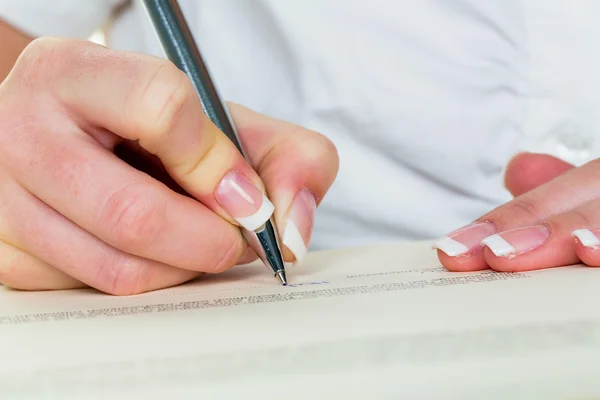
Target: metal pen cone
column 268, row 242
column 281, row 276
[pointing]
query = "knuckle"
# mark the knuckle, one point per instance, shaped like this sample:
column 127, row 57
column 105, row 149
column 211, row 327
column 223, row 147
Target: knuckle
column 226, row 255
column 41, row 57
column 317, row 154
column 135, row 216
column 582, row 218
column 122, row 274
column 319, row 147
column 314, row 148
column 328, row 150
column 45, row 61
column 163, row 95
column 524, row 208
column 40, row 48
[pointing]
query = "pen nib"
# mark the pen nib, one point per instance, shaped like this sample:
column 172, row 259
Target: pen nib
column 281, row 276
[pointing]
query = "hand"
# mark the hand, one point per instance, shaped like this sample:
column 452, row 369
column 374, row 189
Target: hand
column 552, row 221
column 74, row 213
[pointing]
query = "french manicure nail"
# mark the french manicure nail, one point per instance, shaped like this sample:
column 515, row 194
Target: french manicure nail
column 518, row 241
column 298, row 227
column 587, row 238
column 465, row 240
column 243, row 201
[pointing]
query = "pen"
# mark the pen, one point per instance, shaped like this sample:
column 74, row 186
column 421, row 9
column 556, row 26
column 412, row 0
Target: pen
column 180, row 47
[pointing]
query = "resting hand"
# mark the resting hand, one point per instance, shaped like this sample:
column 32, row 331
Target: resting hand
column 552, row 221
column 113, row 177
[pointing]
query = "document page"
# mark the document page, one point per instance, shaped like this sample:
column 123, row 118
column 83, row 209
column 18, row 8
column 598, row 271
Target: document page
column 385, row 321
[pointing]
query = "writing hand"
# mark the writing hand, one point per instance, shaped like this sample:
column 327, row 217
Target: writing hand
column 75, row 118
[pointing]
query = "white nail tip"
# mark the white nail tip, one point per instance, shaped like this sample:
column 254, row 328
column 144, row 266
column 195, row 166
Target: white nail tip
column 498, row 246
column 258, row 219
column 451, row 247
column 292, row 239
column 586, row 237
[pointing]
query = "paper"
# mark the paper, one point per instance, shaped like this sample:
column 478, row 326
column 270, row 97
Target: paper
column 380, row 322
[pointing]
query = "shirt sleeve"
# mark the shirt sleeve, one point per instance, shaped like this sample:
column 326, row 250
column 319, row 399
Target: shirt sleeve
column 65, row 18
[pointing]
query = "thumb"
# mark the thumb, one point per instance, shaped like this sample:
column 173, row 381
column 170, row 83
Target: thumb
column 527, row 171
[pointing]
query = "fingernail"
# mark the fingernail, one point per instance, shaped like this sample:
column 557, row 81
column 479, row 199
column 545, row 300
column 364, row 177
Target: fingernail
column 465, row 240
column 298, row 227
column 243, row 201
column 517, row 241
column 587, row 238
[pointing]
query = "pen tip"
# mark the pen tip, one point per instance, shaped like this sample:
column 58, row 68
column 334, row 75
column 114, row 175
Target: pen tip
column 281, row 276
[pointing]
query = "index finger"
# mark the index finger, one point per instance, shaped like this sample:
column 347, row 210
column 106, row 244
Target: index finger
column 148, row 99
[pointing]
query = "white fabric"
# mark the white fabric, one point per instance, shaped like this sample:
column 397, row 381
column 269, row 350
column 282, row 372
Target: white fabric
column 57, row 17
column 426, row 100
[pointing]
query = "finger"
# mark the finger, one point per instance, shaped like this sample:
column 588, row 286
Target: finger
column 527, row 171
column 461, row 250
column 553, row 242
column 149, row 100
column 124, row 207
column 587, row 245
column 297, row 166
column 39, row 230
column 248, row 257
column 20, row 270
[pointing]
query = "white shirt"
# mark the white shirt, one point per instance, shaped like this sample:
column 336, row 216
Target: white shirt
column 426, row 100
